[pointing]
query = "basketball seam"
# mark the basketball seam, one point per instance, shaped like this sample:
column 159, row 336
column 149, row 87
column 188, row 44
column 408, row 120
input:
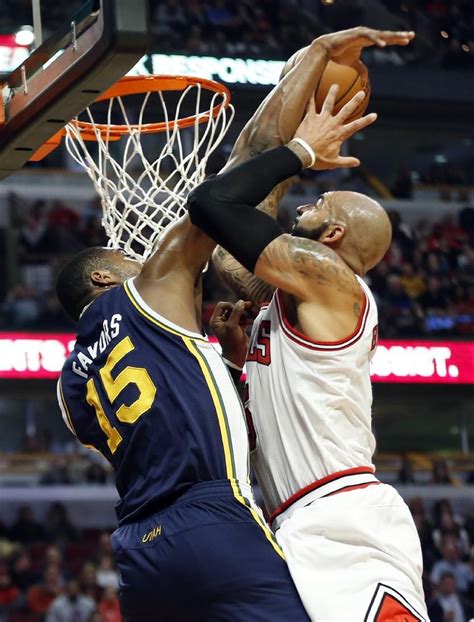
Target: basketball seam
column 348, row 90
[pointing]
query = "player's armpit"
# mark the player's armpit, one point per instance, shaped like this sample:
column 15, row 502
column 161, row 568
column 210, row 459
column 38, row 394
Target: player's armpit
column 306, row 268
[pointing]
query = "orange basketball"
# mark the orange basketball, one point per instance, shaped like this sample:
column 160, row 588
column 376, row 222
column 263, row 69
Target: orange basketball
column 349, row 81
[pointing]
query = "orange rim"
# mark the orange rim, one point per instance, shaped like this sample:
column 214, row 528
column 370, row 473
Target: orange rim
column 133, row 85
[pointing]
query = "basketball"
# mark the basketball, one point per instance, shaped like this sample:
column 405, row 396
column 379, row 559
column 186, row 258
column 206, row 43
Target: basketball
column 349, row 81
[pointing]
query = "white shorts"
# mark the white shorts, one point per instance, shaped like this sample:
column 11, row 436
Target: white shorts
column 356, row 557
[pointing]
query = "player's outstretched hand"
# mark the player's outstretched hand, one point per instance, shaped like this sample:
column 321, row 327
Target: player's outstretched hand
column 229, row 322
column 345, row 46
column 325, row 133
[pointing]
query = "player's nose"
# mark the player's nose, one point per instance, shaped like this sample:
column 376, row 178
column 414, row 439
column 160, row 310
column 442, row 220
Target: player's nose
column 303, row 208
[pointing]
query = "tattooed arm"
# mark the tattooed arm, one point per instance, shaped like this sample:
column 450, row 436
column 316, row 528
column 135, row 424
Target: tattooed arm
column 276, row 120
column 273, row 124
column 243, row 283
column 307, row 269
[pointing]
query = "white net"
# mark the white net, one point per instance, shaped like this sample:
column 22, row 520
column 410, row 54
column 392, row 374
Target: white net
column 142, row 177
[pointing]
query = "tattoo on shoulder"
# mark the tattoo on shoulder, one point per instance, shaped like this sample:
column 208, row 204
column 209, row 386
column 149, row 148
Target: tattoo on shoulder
column 321, row 264
column 356, row 309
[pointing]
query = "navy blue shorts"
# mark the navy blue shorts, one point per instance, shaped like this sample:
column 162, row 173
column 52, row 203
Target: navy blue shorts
column 204, row 559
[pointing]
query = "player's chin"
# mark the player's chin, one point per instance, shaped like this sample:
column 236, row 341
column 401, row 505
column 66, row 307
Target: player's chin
column 309, row 234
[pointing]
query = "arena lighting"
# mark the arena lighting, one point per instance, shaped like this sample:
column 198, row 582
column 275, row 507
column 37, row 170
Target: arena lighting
column 25, row 36
column 41, row 355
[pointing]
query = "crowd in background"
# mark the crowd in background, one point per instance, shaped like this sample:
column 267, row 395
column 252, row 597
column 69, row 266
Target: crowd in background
column 276, row 28
column 425, row 284
column 51, row 571
column 449, row 24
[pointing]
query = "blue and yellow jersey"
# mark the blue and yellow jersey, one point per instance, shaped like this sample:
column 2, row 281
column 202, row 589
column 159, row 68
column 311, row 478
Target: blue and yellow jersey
column 156, row 400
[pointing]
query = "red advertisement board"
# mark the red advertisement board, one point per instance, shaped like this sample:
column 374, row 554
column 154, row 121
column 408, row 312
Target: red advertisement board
column 41, row 355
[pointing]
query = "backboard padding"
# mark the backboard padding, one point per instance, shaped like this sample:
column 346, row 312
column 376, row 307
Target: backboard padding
column 103, row 53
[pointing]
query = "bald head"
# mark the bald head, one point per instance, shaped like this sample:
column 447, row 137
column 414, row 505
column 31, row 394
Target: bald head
column 368, row 229
column 352, row 224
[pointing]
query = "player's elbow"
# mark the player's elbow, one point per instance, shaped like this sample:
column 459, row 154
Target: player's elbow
column 202, row 204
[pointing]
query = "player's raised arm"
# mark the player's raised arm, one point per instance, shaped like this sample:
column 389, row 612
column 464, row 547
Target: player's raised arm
column 277, row 119
column 224, row 207
column 184, row 249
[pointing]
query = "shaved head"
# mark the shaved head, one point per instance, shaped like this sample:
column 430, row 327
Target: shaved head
column 369, row 231
column 355, row 226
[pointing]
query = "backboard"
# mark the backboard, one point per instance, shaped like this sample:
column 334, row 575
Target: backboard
column 86, row 56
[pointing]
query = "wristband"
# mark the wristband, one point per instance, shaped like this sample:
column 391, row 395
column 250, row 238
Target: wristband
column 309, row 150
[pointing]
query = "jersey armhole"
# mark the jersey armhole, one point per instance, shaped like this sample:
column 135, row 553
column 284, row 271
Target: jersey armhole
column 303, row 340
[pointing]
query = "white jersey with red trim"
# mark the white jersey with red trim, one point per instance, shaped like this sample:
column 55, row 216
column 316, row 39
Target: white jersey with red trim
column 310, row 402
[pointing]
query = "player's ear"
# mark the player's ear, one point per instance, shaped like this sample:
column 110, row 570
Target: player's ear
column 333, row 235
column 103, row 278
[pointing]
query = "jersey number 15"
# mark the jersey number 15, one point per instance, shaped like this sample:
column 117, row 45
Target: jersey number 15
column 114, row 386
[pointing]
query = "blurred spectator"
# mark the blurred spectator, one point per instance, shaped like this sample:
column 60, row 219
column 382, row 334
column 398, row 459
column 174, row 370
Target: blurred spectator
column 218, row 14
column 109, row 606
column 59, row 528
column 405, row 474
column 52, row 316
column 424, row 529
column 434, row 304
column 10, row 595
column 105, row 544
column 106, row 575
column 23, row 573
column 401, row 316
column 446, row 606
column 440, row 472
column 64, row 223
column 26, row 529
column 87, row 581
column 403, row 185
column 57, row 474
column 451, row 562
column 402, row 235
column 72, row 606
column 446, row 524
column 169, row 18
column 95, row 474
column 21, row 307
column 412, row 282
column 92, row 233
column 41, row 596
column 34, row 239
column 54, row 557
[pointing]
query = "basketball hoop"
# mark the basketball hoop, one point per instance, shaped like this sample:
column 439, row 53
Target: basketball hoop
column 142, row 192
